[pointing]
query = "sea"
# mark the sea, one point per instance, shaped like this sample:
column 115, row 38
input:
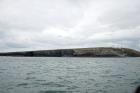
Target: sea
column 69, row 75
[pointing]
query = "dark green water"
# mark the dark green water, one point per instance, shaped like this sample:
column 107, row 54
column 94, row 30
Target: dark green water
column 69, row 75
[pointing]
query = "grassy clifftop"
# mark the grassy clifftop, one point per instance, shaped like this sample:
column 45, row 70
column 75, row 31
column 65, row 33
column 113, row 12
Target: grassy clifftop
column 79, row 52
column 107, row 52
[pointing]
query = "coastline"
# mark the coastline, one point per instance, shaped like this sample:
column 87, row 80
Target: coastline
column 77, row 52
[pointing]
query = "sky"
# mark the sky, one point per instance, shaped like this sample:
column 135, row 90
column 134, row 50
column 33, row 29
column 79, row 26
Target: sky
column 55, row 24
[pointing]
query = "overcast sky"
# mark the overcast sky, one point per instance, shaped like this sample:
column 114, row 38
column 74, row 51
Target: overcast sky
column 52, row 24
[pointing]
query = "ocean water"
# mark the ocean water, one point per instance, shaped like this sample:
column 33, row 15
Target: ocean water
column 69, row 75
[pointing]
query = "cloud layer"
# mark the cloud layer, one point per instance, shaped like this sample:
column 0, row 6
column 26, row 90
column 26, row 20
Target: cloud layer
column 51, row 24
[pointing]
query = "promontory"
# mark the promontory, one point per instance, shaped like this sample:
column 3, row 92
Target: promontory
column 78, row 52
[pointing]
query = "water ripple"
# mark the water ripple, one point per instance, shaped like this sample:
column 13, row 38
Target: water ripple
column 52, row 91
column 22, row 84
column 52, row 84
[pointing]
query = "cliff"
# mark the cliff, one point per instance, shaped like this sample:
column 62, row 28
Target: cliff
column 78, row 52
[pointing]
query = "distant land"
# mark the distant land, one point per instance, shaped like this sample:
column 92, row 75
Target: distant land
column 78, row 52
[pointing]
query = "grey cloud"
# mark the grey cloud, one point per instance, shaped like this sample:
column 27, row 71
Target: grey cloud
column 38, row 14
column 125, row 15
column 49, row 24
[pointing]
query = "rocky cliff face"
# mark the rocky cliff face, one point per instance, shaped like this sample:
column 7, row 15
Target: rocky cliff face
column 79, row 52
